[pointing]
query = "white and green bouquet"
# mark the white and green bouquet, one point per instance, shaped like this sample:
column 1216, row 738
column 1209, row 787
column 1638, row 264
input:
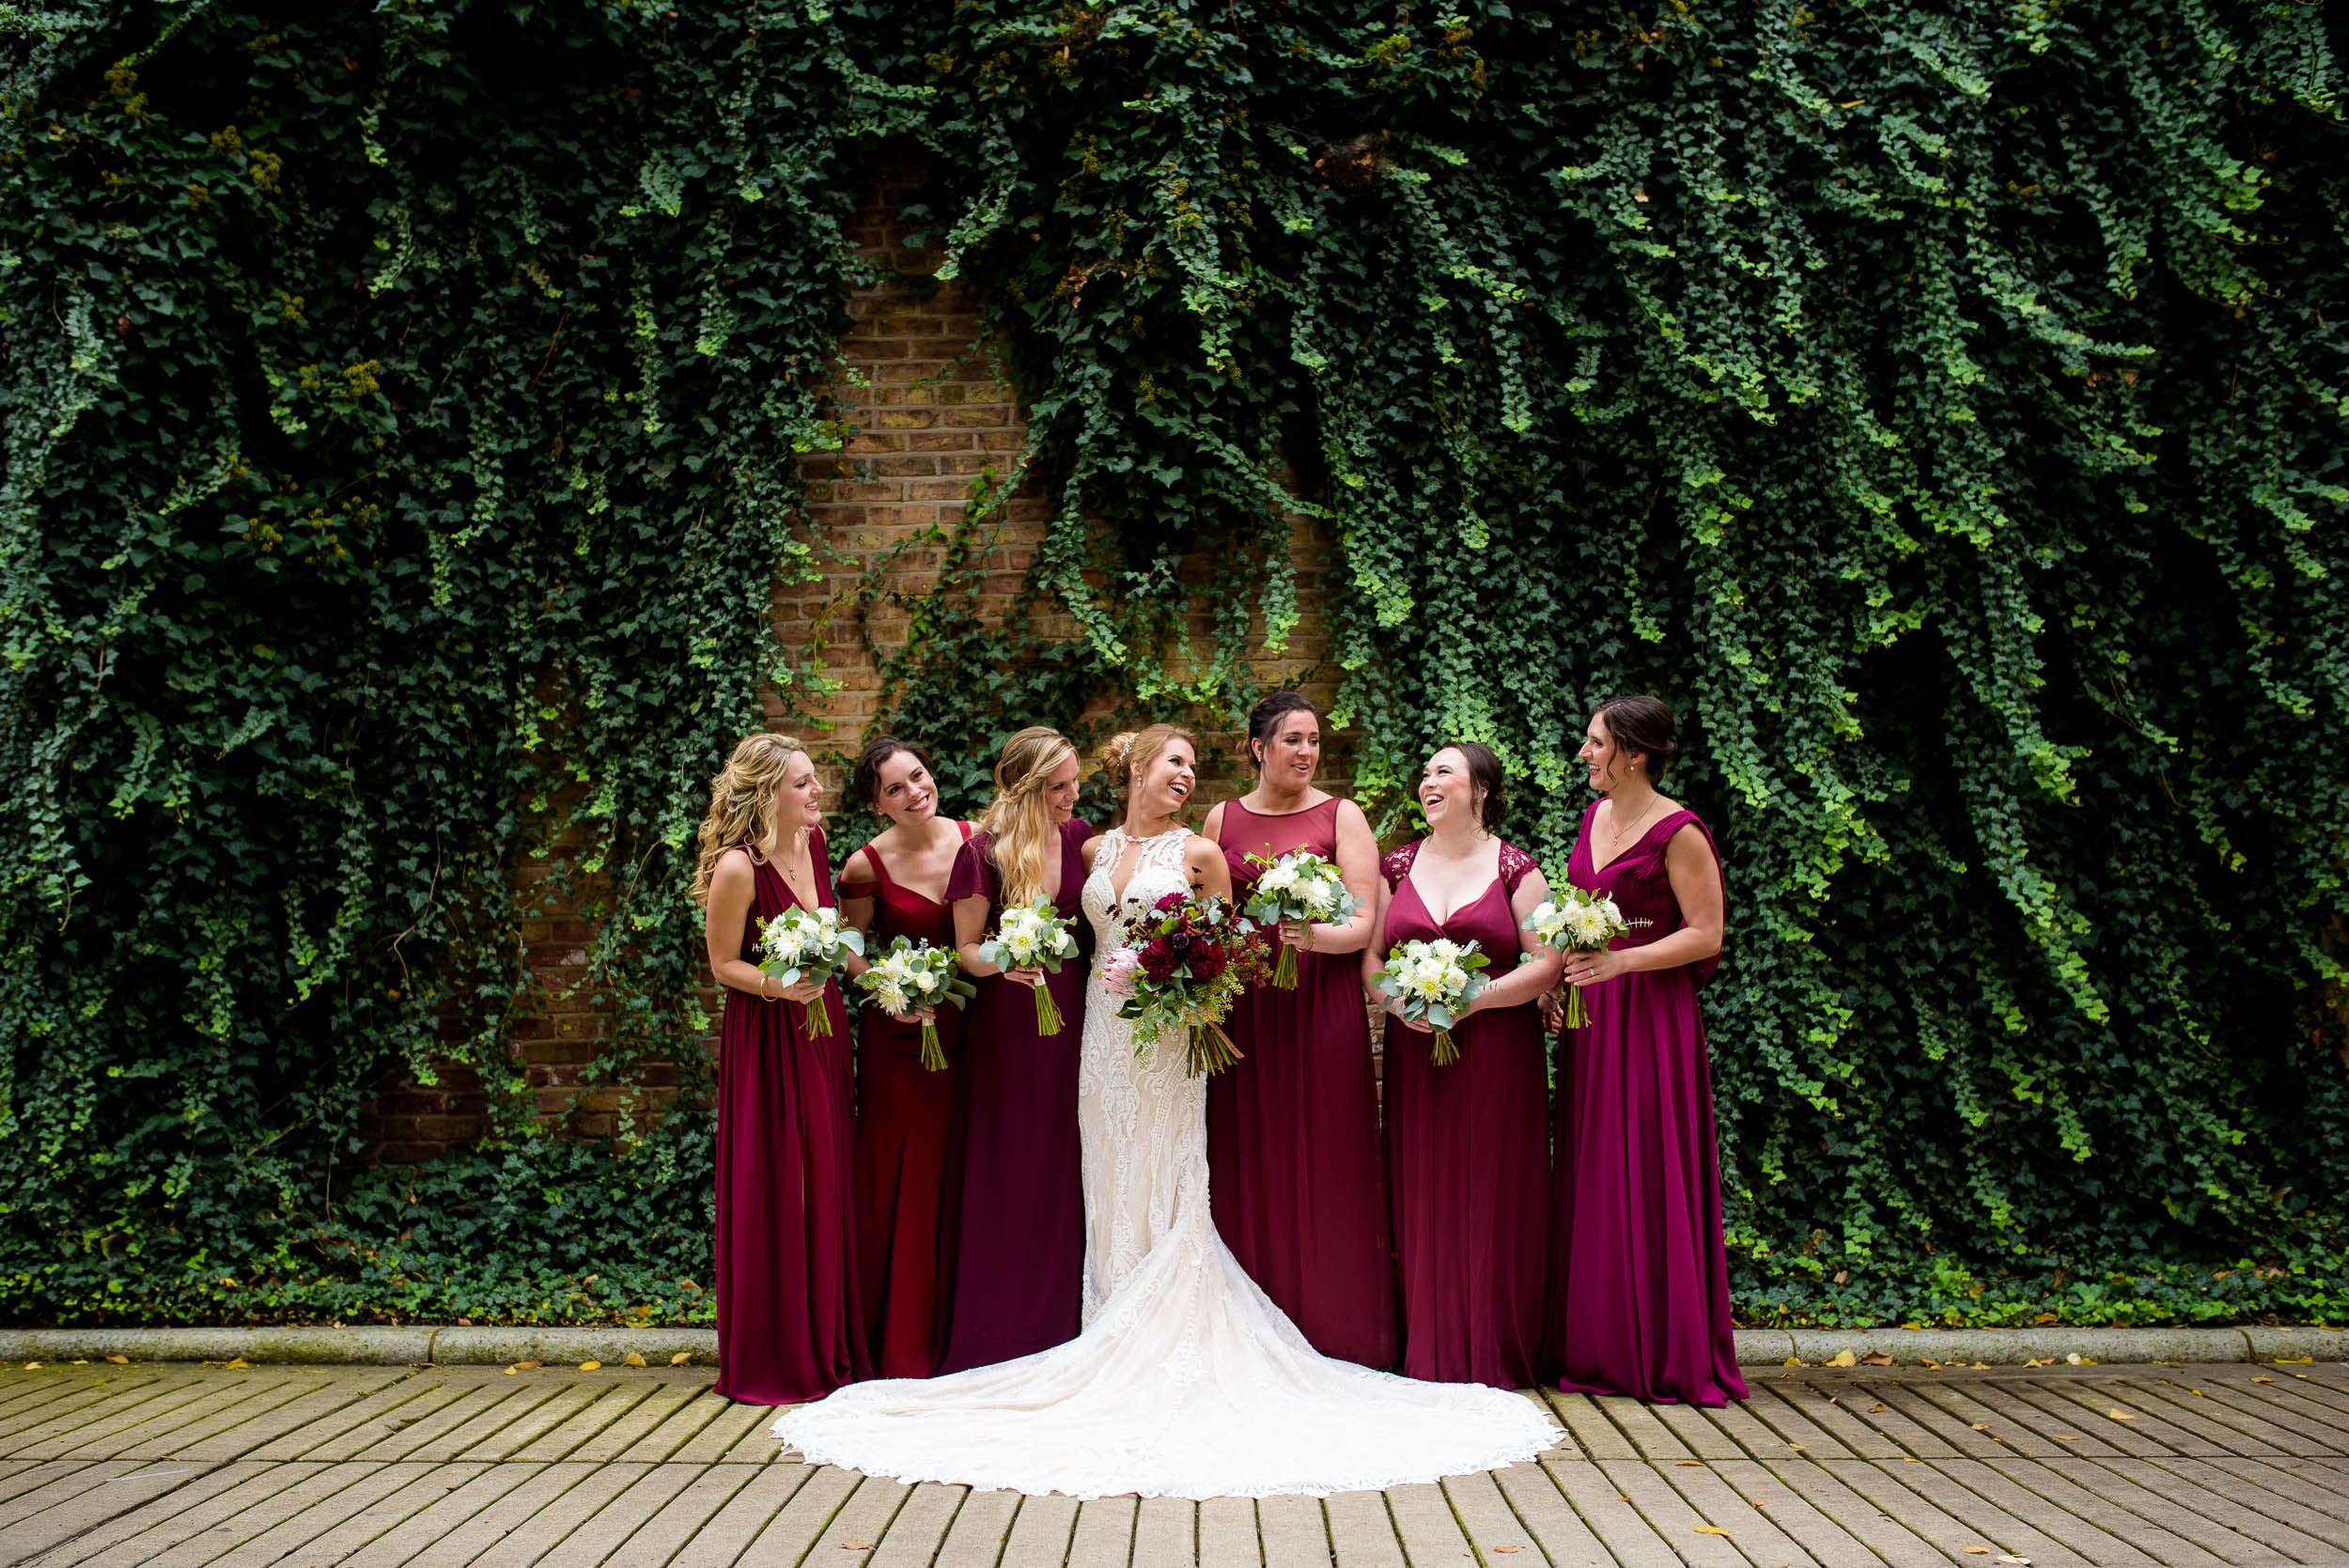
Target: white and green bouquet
column 1577, row 920
column 1300, row 885
column 1433, row 983
column 1032, row 937
column 811, row 945
column 913, row 975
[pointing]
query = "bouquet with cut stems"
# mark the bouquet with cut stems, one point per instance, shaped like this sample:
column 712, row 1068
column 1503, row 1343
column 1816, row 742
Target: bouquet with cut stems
column 913, row 975
column 1577, row 920
column 1033, row 935
column 1300, row 886
column 1433, row 982
column 1184, row 961
column 811, row 945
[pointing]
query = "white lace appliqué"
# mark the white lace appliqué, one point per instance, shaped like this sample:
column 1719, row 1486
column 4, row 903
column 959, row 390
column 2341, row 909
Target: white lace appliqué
column 1187, row 1381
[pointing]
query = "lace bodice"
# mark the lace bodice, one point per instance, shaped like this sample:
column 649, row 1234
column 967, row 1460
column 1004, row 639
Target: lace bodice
column 1157, row 871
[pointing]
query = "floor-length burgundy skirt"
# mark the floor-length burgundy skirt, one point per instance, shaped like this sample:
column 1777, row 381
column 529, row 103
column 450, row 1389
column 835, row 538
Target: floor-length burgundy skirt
column 1640, row 1299
column 1469, row 1154
column 903, row 1114
column 790, row 1326
column 1298, row 1180
column 1011, row 1217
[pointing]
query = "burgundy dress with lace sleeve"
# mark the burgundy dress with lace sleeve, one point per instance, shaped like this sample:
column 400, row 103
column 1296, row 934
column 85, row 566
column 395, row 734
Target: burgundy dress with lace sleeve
column 1468, row 1155
column 1298, row 1186
column 1639, row 1289
column 789, row 1325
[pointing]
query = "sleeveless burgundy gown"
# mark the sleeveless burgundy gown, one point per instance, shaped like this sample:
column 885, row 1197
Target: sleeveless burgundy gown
column 1011, row 1245
column 1640, row 1304
column 902, row 1109
column 1296, row 1182
column 790, row 1327
column 1467, row 1154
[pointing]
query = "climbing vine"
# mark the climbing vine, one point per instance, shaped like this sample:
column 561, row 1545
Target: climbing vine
column 1941, row 402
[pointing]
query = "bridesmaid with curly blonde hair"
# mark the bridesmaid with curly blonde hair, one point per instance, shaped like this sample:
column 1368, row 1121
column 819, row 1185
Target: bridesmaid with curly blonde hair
column 790, row 1327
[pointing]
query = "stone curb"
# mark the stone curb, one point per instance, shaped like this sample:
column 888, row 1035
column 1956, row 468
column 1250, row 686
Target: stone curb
column 490, row 1346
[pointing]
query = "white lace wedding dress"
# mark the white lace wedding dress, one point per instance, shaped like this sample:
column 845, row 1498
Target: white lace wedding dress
column 1187, row 1381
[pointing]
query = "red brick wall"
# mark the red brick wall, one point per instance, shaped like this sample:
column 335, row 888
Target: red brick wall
column 930, row 414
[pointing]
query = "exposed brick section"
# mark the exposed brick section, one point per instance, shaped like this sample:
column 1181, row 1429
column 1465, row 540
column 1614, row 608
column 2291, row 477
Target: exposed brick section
column 930, row 414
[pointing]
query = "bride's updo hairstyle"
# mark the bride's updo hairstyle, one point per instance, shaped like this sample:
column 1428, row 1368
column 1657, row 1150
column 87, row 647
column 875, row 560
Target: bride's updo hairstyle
column 1126, row 755
column 1263, row 722
column 1018, row 820
column 1643, row 725
column 742, row 802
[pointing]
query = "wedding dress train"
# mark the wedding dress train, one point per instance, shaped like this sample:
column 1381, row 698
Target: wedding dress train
column 1187, row 1381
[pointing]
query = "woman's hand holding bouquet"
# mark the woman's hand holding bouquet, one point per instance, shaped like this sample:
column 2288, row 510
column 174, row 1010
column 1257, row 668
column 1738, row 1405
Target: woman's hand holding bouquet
column 1032, row 937
column 914, row 977
column 1433, row 982
column 810, row 946
column 1298, row 888
column 1577, row 920
column 1182, row 965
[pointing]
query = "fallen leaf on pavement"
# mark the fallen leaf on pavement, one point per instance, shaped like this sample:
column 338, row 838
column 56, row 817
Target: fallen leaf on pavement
column 119, row 1360
column 680, row 1358
column 2018, row 1562
column 633, row 1359
column 1842, row 1359
column 2039, row 1363
column 525, row 1365
column 1689, row 1463
column 590, row 1366
column 2121, row 1415
column 1981, row 1427
column 856, row 1545
column 1710, row 1529
column 2263, row 1380
column 2064, row 1436
column 2198, row 1393
column 237, row 1364
column 1877, row 1358
column 1508, row 1548
column 1975, row 1551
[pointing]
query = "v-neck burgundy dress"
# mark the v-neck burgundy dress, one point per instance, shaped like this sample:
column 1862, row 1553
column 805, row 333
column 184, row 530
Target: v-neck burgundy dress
column 1298, row 1183
column 1468, row 1155
column 1640, row 1301
column 902, row 1109
column 790, row 1327
column 1011, row 1242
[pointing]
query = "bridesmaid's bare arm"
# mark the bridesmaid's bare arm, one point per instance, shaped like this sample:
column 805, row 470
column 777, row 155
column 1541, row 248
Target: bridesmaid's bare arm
column 860, row 905
column 1211, row 873
column 1537, row 972
column 1375, row 949
column 1357, row 863
column 732, row 886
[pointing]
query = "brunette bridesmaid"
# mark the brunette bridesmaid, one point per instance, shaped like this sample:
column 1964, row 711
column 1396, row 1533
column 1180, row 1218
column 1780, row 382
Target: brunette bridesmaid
column 1297, row 1182
column 1467, row 1144
column 896, row 886
column 789, row 1327
column 1011, row 1240
column 1640, row 1295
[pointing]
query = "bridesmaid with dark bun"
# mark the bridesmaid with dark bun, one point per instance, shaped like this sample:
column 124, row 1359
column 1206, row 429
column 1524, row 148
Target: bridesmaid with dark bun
column 896, row 886
column 1297, row 1180
column 789, row 1327
column 1467, row 1144
column 1011, row 1229
column 1640, row 1300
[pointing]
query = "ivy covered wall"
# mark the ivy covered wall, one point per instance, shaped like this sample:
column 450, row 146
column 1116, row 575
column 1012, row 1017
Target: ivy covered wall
column 1942, row 403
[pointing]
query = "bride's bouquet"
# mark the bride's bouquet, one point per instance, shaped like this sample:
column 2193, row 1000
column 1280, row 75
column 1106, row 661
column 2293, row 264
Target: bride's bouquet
column 1300, row 885
column 1032, row 937
column 1183, row 963
column 1577, row 920
column 1433, row 982
column 913, row 975
column 811, row 945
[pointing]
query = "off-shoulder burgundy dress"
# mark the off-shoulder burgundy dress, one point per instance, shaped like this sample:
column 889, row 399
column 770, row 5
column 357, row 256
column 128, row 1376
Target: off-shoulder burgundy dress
column 1011, row 1243
column 1640, row 1296
column 1468, row 1155
column 902, row 1109
column 1298, row 1186
column 790, row 1327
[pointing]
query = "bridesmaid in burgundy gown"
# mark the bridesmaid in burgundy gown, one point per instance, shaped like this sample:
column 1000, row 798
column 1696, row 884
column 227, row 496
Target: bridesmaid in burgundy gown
column 1297, row 1180
column 1640, row 1296
column 789, row 1327
column 1467, row 1144
column 1011, row 1233
column 896, row 887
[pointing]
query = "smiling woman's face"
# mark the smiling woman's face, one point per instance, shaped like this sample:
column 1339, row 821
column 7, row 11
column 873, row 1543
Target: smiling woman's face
column 1445, row 790
column 798, row 802
column 1292, row 755
column 1603, row 759
column 904, row 792
column 1059, row 789
column 1166, row 783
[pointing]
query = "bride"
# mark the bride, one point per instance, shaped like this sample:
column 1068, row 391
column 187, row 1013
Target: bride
column 1187, row 1381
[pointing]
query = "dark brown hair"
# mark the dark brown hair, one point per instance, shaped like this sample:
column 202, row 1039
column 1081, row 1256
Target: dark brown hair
column 864, row 779
column 1264, row 720
column 1483, row 770
column 1645, row 725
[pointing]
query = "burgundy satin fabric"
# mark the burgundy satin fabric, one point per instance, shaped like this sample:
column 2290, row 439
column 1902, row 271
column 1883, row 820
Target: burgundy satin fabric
column 789, row 1325
column 1468, row 1155
column 1011, row 1224
column 902, row 1111
column 1296, row 1177
column 1639, row 1293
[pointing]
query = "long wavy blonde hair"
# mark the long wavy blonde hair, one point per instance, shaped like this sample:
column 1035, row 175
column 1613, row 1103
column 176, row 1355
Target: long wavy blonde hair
column 742, row 802
column 1018, row 820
